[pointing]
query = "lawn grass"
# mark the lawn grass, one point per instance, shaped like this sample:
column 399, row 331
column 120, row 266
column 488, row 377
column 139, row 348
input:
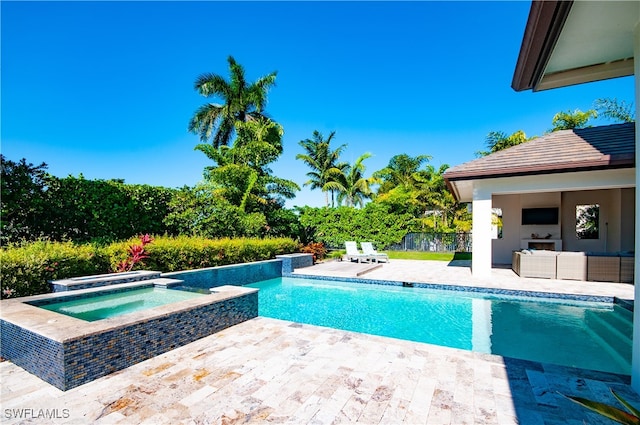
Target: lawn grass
column 416, row 255
column 434, row 256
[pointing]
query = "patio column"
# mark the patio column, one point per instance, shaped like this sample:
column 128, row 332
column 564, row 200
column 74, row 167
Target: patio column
column 635, row 359
column 481, row 233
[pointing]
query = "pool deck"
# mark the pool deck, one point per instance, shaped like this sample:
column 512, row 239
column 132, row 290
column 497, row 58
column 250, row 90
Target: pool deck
column 272, row 371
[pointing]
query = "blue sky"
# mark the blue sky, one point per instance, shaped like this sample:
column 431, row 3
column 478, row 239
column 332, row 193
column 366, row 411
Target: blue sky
column 106, row 88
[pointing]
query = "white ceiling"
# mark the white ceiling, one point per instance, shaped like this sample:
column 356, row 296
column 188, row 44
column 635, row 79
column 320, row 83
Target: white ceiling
column 595, row 32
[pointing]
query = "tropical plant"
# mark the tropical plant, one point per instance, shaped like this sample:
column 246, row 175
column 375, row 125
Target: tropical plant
column 82, row 209
column 374, row 222
column 352, row 186
column 611, row 412
column 436, row 197
column 136, row 255
column 27, row 269
column 324, row 164
column 316, row 249
column 498, row 140
column 402, row 170
column 23, row 201
column 612, row 109
column 201, row 211
column 241, row 174
column 568, row 120
column 35, row 205
column 408, row 187
column 241, row 102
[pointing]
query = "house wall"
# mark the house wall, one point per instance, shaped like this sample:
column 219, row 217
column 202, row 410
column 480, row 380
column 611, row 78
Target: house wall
column 628, row 228
column 510, row 241
column 540, row 200
column 512, row 230
column 617, row 221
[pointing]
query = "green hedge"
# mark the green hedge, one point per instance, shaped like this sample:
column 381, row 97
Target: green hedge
column 26, row 269
column 168, row 254
column 373, row 223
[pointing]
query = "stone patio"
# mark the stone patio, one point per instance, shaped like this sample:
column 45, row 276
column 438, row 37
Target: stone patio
column 271, row 371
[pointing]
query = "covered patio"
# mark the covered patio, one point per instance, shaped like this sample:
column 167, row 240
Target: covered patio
column 566, row 43
column 556, row 173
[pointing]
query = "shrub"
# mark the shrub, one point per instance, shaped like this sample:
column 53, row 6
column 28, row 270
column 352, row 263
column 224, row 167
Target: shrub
column 317, row 249
column 374, row 222
column 26, row 269
column 136, row 254
column 185, row 253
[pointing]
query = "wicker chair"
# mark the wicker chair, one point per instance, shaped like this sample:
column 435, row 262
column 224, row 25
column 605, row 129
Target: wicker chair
column 571, row 265
column 627, row 267
column 541, row 264
column 603, row 268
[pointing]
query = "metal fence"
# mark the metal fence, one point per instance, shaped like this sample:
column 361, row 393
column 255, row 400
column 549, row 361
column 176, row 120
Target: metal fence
column 434, row 242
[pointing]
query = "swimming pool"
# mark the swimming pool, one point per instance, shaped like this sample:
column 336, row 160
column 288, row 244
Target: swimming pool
column 589, row 335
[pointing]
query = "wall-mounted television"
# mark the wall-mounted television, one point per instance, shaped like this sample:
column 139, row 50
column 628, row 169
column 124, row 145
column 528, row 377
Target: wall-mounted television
column 540, row 215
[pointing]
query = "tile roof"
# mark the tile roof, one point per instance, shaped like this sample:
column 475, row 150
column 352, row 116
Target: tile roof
column 594, row 148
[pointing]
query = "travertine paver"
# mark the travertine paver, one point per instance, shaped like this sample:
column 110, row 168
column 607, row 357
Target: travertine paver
column 267, row 370
column 272, row 371
column 459, row 273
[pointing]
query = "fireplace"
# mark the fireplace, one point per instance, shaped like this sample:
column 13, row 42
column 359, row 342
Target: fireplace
column 542, row 244
column 548, row 246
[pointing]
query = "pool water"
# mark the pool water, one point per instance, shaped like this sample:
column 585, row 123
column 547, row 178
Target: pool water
column 115, row 304
column 587, row 335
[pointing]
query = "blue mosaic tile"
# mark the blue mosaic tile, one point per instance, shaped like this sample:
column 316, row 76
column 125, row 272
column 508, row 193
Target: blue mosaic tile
column 290, row 262
column 235, row 274
column 74, row 362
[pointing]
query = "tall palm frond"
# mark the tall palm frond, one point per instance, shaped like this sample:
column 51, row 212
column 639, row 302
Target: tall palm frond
column 619, row 111
column 241, row 102
column 324, row 163
column 401, row 170
column 354, row 187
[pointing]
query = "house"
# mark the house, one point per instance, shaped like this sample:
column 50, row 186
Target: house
column 542, row 187
column 566, row 43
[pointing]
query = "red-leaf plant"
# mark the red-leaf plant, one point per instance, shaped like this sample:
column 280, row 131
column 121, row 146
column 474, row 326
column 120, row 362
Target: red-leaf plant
column 136, row 254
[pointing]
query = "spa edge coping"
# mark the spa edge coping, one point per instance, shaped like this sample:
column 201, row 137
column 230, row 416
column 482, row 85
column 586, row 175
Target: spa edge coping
column 125, row 277
column 62, row 328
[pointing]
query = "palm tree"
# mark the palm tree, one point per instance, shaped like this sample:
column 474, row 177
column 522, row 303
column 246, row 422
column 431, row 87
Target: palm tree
column 569, row 120
column 617, row 111
column 435, row 195
column 402, row 170
column 241, row 101
column 498, row 140
column 325, row 168
column 352, row 186
column 241, row 173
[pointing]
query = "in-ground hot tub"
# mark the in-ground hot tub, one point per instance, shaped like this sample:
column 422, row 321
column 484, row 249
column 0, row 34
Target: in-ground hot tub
column 67, row 351
column 106, row 304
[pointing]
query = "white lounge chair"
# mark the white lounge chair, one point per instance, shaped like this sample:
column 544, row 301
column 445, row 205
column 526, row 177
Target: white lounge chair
column 368, row 249
column 353, row 253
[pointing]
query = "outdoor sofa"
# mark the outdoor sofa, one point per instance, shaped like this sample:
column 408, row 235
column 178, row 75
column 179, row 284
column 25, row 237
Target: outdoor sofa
column 534, row 263
column 599, row 267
